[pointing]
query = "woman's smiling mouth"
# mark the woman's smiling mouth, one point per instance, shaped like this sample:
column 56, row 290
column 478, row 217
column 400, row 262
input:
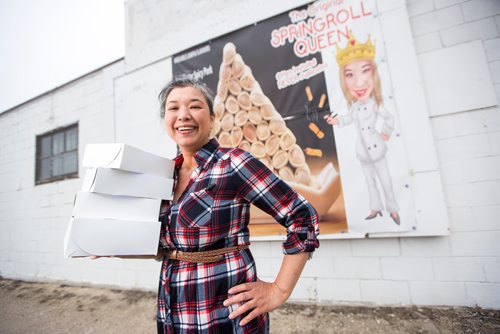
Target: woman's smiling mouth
column 186, row 129
column 361, row 92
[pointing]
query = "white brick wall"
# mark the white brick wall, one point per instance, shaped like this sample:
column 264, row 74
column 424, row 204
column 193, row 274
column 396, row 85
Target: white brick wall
column 463, row 268
column 33, row 219
column 146, row 29
column 491, row 268
column 439, row 293
column 385, row 292
column 460, row 269
column 437, row 20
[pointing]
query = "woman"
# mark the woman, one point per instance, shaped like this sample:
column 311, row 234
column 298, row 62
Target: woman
column 361, row 86
column 208, row 281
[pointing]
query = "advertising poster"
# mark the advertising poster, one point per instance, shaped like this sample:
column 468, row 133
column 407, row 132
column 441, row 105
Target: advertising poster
column 308, row 93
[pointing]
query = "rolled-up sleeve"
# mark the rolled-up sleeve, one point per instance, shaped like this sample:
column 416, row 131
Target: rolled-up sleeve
column 260, row 186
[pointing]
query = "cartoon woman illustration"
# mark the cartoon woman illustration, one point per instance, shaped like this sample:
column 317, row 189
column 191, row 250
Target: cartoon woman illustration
column 360, row 83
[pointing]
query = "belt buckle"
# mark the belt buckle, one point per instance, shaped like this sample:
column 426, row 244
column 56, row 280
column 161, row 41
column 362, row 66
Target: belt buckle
column 174, row 254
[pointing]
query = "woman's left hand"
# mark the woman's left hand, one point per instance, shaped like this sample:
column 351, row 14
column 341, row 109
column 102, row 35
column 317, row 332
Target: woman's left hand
column 256, row 297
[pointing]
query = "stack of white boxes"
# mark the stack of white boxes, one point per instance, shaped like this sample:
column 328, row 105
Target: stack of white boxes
column 116, row 213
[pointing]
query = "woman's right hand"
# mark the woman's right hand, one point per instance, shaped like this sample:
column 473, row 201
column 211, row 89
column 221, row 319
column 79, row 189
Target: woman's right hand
column 385, row 136
column 255, row 298
column 331, row 120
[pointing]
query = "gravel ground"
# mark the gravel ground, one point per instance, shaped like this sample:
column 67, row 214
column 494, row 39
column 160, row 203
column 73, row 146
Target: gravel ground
column 28, row 307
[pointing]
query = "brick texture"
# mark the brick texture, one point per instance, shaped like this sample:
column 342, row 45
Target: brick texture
column 460, row 269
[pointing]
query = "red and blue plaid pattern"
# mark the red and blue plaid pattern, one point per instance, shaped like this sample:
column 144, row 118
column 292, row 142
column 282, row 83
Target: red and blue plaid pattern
column 212, row 213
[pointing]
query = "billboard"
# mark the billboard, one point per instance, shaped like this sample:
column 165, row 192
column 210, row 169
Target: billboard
column 308, row 92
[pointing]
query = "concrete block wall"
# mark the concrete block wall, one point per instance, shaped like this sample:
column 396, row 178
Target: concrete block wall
column 460, row 269
column 33, row 219
column 464, row 267
column 468, row 145
column 155, row 30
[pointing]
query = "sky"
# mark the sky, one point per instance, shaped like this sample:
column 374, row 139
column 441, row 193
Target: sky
column 46, row 43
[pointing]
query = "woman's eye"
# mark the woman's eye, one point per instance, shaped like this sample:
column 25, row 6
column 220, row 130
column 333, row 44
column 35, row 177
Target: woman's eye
column 172, row 108
column 195, row 107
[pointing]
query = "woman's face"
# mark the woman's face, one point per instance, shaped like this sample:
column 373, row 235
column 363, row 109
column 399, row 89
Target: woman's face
column 187, row 118
column 358, row 78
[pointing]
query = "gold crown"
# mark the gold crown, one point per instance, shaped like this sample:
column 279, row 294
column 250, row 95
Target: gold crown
column 355, row 51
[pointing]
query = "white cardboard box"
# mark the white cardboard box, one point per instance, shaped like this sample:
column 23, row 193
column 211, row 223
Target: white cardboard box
column 94, row 205
column 119, row 182
column 106, row 237
column 126, row 157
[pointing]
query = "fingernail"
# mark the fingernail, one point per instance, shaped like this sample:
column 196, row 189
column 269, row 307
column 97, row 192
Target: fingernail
column 231, row 316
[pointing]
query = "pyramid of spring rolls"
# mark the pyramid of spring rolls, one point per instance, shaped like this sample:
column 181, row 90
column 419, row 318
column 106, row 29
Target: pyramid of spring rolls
column 246, row 118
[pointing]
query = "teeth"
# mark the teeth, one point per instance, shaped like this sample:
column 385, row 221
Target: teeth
column 185, row 128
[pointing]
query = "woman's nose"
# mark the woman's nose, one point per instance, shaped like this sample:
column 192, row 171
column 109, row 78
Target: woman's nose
column 360, row 81
column 183, row 113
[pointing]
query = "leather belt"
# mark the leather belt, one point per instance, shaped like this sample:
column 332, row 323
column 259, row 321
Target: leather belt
column 201, row 257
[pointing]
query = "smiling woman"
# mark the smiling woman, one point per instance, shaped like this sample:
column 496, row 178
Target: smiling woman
column 208, row 280
column 188, row 115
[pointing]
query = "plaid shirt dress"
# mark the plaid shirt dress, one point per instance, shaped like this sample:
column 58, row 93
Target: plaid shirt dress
column 213, row 213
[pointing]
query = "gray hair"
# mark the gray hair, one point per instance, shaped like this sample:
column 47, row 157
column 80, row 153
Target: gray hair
column 198, row 85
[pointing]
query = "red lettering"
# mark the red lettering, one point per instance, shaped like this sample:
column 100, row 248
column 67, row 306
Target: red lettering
column 275, row 39
column 319, row 24
column 331, row 37
column 297, row 15
column 330, row 20
column 293, row 33
column 353, row 16
column 344, row 33
column 363, row 10
column 345, row 16
column 321, row 41
column 300, row 48
column 306, row 28
column 283, row 34
column 312, row 45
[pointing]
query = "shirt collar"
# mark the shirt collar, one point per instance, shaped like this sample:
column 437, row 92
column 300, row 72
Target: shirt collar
column 203, row 156
column 368, row 102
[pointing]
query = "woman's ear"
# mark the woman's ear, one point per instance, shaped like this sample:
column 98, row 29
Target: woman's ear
column 212, row 124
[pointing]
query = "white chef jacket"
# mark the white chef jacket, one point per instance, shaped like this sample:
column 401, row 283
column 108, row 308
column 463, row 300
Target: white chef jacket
column 369, row 145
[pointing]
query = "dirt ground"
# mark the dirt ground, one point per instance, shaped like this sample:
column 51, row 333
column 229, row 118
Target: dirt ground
column 28, row 307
